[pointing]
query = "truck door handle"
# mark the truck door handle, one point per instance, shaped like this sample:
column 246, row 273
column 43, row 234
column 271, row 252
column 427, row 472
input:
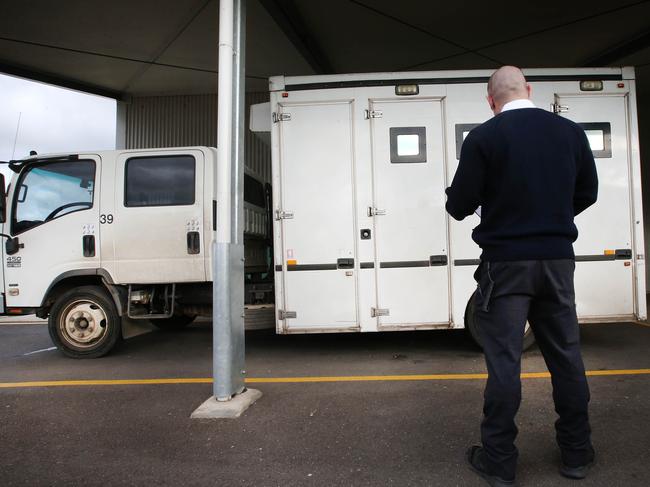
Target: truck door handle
column 193, row 243
column 345, row 263
column 89, row 245
column 435, row 260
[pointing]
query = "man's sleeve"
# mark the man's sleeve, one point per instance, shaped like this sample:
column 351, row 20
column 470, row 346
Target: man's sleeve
column 466, row 190
column 586, row 190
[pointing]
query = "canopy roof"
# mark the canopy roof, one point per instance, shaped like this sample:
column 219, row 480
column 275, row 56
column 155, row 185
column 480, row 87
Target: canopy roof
column 153, row 47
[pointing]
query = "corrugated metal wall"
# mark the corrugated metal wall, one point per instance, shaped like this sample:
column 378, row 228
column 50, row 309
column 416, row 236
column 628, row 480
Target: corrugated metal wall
column 184, row 120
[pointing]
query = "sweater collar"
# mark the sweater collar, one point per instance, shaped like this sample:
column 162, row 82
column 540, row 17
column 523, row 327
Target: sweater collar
column 516, row 104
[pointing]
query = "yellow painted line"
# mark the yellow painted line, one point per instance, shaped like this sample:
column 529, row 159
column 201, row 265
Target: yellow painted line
column 93, row 382
column 296, row 380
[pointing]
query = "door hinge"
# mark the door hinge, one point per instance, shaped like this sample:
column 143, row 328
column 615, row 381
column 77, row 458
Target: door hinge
column 372, row 211
column 557, row 108
column 368, row 114
column 281, row 117
column 285, row 315
column 375, row 312
column 283, row 215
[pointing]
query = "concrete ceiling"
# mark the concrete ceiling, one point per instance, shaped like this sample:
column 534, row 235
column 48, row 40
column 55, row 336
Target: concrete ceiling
column 151, row 47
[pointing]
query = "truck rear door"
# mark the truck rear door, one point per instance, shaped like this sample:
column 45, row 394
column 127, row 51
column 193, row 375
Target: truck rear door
column 604, row 278
column 411, row 260
column 316, row 212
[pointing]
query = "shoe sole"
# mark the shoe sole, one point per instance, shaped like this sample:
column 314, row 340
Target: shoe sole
column 488, row 478
column 566, row 472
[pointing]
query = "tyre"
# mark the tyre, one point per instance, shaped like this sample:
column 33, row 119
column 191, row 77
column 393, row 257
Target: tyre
column 175, row 323
column 471, row 325
column 84, row 323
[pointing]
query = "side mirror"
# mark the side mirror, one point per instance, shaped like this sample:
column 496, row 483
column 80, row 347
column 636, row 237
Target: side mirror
column 12, row 246
column 3, row 200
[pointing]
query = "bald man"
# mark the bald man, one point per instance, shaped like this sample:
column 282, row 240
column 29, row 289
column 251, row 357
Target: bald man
column 531, row 172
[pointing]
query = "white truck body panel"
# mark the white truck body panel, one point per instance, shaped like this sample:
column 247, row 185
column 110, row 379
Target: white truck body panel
column 350, row 156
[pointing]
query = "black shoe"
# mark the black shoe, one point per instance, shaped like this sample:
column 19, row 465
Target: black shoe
column 474, row 457
column 576, row 473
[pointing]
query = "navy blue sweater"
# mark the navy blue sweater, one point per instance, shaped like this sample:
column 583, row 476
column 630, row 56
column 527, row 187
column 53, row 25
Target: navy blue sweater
column 531, row 171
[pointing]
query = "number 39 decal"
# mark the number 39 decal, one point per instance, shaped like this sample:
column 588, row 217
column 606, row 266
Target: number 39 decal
column 106, row 219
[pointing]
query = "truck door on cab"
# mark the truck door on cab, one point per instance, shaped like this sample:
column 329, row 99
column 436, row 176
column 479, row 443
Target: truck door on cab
column 158, row 223
column 55, row 210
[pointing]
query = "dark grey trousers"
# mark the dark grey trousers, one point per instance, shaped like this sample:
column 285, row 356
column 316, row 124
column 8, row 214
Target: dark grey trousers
column 542, row 292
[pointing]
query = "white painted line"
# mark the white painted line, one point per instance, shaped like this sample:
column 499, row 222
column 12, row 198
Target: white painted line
column 39, row 351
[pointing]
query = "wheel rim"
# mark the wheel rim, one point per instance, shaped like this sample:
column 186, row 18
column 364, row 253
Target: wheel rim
column 83, row 324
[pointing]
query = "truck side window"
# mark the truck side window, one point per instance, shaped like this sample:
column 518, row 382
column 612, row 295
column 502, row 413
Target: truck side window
column 599, row 135
column 462, row 129
column 408, row 144
column 49, row 191
column 160, row 181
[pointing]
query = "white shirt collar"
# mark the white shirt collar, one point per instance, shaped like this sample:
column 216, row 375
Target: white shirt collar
column 516, row 104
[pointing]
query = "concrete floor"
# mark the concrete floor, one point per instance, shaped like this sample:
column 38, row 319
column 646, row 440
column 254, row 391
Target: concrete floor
column 315, row 434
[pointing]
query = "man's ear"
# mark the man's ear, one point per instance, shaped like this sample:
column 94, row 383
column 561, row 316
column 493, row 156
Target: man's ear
column 529, row 89
column 490, row 101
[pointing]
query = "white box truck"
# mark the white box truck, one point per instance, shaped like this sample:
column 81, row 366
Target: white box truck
column 93, row 237
column 362, row 241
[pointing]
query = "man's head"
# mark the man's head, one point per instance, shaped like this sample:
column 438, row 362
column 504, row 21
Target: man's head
column 506, row 84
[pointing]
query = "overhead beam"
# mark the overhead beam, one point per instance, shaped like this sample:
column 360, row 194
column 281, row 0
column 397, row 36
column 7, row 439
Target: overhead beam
column 620, row 51
column 52, row 79
column 286, row 15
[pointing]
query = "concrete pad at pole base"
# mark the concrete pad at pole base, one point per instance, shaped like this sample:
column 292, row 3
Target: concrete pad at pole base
column 213, row 409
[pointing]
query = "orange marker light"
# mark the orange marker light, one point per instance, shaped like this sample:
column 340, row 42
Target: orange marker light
column 610, row 252
column 291, row 262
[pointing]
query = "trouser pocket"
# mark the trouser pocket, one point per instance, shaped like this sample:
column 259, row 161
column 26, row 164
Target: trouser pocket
column 484, row 286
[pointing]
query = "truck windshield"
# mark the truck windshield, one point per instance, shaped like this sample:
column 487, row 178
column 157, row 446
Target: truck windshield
column 49, row 191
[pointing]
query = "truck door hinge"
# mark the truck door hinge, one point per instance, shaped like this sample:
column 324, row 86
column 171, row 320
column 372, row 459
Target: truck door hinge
column 285, row 315
column 375, row 312
column 372, row 211
column 368, row 114
column 557, row 108
column 281, row 117
column 283, row 215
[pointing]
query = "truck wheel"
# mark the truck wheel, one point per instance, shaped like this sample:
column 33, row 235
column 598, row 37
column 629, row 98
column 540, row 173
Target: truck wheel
column 175, row 323
column 471, row 326
column 84, row 323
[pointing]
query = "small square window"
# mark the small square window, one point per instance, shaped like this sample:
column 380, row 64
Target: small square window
column 599, row 135
column 596, row 139
column 408, row 145
column 462, row 129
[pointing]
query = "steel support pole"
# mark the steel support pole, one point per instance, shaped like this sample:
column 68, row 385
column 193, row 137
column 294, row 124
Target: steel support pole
column 228, row 244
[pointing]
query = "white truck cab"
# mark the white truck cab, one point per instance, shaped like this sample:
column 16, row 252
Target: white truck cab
column 95, row 236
